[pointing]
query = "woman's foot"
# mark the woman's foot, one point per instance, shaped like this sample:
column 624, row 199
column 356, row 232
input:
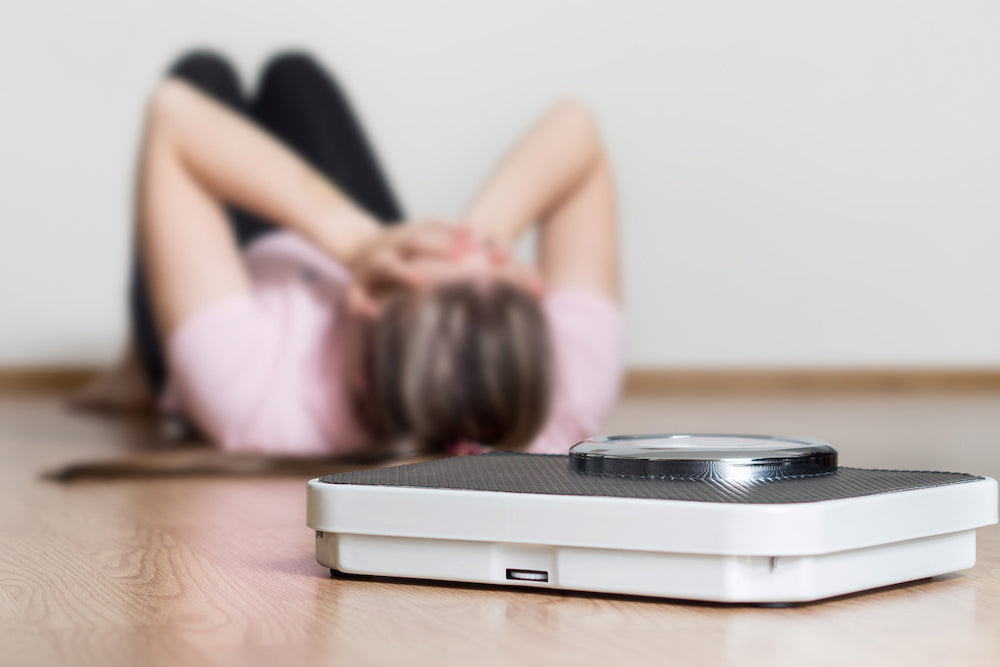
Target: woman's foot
column 124, row 388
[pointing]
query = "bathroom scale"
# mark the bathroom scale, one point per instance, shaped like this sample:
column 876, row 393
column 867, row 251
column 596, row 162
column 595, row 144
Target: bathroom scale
column 714, row 517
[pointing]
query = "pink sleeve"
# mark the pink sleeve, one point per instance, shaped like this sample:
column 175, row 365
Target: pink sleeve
column 220, row 367
column 258, row 371
column 588, row 337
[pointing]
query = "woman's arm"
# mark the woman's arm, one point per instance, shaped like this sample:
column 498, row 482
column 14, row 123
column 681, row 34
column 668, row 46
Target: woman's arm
column 557, row 176
column 236, row 162
column 197, row 156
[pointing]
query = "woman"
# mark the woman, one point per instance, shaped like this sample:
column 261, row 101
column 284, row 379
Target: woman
column 278, row 305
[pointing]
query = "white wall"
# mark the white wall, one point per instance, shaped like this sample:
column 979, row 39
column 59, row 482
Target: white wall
column 803, row 183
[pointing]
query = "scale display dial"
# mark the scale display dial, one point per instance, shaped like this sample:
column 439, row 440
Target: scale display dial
column 722, row 456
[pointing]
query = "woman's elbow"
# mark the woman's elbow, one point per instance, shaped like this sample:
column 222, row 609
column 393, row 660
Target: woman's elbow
column 168, row 103
column 581, row 122
column 577, row 113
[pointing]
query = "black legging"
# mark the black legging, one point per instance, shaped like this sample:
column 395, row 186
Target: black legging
column 301, row 105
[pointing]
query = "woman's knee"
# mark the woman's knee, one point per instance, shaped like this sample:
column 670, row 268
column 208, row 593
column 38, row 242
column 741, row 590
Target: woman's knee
column 210, row 72
column 295, row 69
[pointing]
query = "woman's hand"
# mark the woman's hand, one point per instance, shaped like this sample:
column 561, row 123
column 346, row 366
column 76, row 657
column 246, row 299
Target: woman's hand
column 385, row 261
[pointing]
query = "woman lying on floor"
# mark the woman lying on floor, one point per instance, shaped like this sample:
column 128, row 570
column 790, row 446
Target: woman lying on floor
column 297, row 316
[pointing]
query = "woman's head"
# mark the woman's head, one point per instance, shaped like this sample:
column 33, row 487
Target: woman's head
column 461, row 360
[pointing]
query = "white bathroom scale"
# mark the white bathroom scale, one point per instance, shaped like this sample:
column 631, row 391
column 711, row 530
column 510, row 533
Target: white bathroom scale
column 715, row 517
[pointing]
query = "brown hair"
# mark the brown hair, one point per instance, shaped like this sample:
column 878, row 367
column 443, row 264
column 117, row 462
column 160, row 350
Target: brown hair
column 464, row 361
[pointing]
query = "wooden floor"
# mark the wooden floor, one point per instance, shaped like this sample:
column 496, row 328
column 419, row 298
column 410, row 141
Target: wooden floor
column 202, row 570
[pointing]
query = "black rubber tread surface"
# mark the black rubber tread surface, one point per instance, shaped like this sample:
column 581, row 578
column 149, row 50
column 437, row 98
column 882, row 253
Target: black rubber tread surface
column 509, row 472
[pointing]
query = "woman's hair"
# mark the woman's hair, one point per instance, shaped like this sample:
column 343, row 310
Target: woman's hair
column 464, row 361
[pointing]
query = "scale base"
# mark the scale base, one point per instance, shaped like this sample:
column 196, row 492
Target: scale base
column 528, row 520
column 706, row 577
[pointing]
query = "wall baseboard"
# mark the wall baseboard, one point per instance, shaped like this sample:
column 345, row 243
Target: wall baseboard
column 640, row 381
column 31, row 379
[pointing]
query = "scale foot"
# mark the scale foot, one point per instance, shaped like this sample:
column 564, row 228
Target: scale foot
column 337, row 574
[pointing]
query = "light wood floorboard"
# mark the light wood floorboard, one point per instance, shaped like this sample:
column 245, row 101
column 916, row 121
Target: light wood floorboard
column 221, row 571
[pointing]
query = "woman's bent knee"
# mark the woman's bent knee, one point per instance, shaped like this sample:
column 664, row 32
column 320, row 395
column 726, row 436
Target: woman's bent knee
column 294, row 69
column 202, row 64
column 211, row 73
